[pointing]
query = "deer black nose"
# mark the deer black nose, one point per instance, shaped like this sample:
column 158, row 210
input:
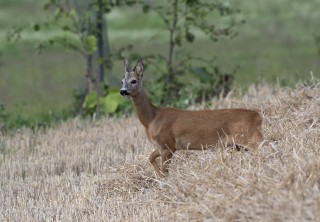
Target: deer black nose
column 123, row 92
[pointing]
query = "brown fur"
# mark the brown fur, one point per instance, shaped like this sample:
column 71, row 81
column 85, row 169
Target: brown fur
column 172, row 129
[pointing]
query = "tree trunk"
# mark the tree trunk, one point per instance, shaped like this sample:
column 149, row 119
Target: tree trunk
column 172, row 45
column 107, row 59
column 89, row 79
column 100, row 42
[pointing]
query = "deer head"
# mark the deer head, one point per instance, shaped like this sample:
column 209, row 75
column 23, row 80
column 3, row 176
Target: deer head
column 132, row 81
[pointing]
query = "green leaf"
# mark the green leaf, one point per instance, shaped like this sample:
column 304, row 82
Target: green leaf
column 72, row 14
column 190, row 37
column 90, row 101
column 192, row 2
column 90, row 43
column 36, row 27
column 145, row 8
column 189, row 18
column 202, row 73
column 111, row 101
column 178, row 40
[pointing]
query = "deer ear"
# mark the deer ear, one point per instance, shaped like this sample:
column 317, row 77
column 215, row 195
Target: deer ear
column 139, row 68
column 127, row 66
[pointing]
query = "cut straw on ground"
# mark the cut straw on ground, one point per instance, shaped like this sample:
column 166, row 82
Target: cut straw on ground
column 100, row 171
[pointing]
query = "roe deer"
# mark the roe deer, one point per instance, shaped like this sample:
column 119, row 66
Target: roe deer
column 172, row 129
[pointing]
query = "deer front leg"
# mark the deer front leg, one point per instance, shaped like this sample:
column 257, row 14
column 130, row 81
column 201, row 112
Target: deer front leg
column 166, row 156
column 152, row 159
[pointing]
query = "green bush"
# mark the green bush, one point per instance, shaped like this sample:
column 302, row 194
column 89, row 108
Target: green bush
column 12, row 121
column 109, row 103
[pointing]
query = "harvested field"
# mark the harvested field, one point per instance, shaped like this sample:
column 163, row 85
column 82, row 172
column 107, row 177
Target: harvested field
column 80, row 171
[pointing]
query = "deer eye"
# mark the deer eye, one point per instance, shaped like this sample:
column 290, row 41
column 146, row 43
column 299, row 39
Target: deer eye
column 134, row 81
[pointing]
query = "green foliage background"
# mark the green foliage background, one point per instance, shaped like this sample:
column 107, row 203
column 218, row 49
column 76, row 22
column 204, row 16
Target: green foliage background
column 276, row 45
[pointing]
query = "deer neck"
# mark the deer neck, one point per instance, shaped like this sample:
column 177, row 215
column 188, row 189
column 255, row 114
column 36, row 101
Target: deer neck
column 143, row 108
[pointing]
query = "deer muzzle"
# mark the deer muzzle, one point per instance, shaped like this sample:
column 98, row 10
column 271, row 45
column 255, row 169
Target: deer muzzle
column 124, row 92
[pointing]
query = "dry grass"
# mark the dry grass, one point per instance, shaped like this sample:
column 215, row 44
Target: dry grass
column 100, row 172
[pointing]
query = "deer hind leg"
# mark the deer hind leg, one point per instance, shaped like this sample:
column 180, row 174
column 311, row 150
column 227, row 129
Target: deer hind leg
column 251, row 141
column 244, row 144
column 258, row 137
column 236, row 141
column 255, row 140
column 166, row 156
column 152, row 158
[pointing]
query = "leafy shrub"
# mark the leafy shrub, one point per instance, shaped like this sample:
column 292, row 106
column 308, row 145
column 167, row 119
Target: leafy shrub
column 109, row 103
column 16, row 120
column 193, row 84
